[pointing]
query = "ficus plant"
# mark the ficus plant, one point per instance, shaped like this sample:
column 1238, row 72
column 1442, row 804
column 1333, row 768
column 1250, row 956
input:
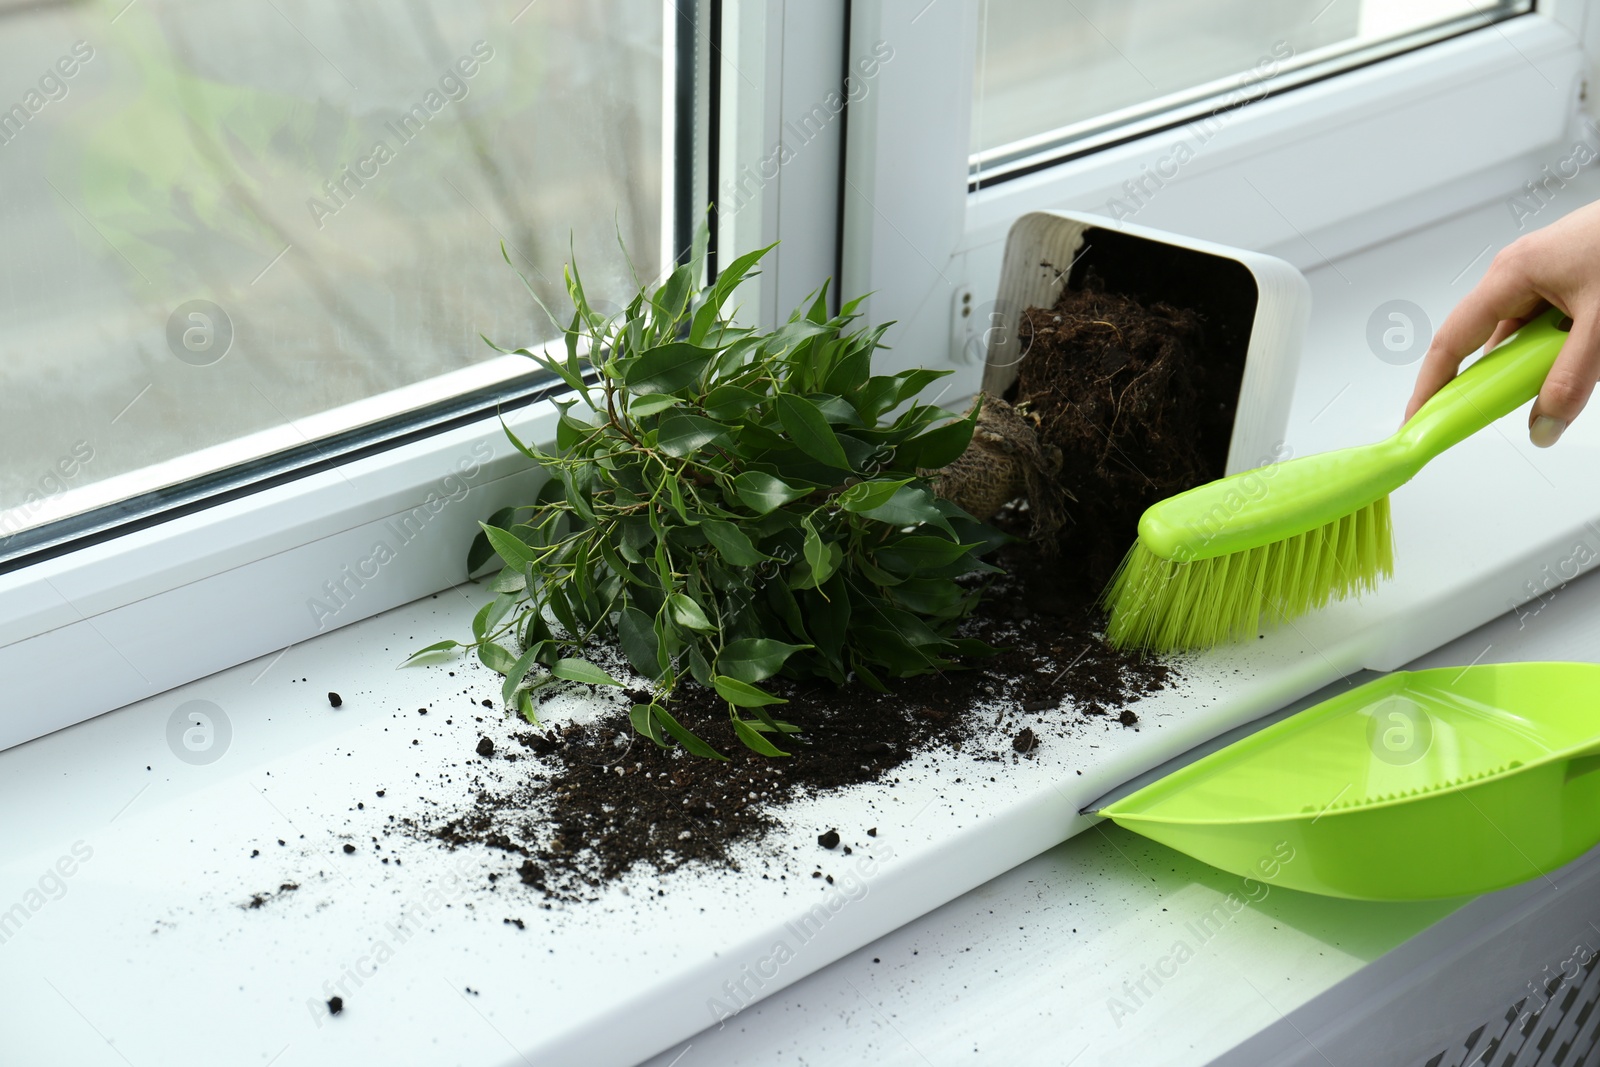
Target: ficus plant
column 729, row 505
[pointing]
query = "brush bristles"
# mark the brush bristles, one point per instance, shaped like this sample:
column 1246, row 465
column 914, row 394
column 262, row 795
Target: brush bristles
column 1163, row 605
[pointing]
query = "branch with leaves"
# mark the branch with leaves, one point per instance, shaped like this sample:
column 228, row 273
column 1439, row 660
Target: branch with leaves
column 728, row 505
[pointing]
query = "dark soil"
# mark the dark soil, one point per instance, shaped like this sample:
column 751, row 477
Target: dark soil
column 582, row 805
column 1141, row 403
column 258, row 900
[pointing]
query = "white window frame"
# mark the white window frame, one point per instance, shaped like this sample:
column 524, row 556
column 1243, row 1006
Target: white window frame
column 1292, row 174
column 94, row 629
column 98, row 627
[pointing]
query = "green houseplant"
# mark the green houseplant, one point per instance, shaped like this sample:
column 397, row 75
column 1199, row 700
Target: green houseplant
column 727, row 505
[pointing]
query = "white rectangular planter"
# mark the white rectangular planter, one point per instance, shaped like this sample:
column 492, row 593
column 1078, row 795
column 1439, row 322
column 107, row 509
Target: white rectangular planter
column 1261, row 300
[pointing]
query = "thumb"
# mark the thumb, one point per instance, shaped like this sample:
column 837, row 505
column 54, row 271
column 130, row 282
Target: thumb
column 1568, row 385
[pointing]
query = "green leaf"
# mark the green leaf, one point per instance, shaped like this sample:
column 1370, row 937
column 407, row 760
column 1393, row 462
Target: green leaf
column 731, row 542
column 491, row 614
column 481, row 550
column 819, row 305
column 743, row 694
column 937, row 448
column 765, row 493
column 755, row 659
column 911, row 505
column 829, row 614
column 519, row 670
column 937, row 597
column 807, row 427
column 686, row 612
column 698, row 667
column 684, row 736
column 509, row 580
column 437, row 646
column 509, row 546
column 525, row 707
column 496, row 658
column 644, row 721
column 876, row 397
column 754, row 740
column 920, row 552
column 730, row 401
column 667, row 368
column 909, row 383
column 682, row 434
column 637, row 635
column 671, row 298
column 870, row 679
column 822, row 558
column 835, row 409
column 864, row 496
column 576, row 496
column 581, row 670
column 727, row 281
column 652, row 404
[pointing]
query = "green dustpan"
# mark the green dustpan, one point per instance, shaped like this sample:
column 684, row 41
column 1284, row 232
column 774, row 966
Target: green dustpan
column 1418, row 785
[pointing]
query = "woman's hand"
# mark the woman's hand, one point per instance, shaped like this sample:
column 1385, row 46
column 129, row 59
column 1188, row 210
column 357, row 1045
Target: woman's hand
column 1558, row 265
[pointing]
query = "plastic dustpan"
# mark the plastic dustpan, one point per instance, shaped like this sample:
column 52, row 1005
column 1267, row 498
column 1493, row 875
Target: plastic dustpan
column 1415, row 786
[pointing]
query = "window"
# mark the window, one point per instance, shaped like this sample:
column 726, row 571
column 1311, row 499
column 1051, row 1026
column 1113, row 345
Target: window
column 233, row 228
column 165, row 464
column 1060, row 78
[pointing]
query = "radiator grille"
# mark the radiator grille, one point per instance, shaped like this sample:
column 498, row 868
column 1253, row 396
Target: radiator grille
column 1563, row 1031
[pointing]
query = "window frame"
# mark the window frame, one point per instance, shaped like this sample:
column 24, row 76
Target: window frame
column 1527, row 73
column 89, row 627
column 127, row 603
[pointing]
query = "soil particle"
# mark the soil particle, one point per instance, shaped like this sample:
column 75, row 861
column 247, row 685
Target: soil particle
column 829, row 839
column 1127, row 718
column 1025, row 741
column 335, row 1005
column 259, row 899
column 485, row 747
column 335, row 700
column 348, row 849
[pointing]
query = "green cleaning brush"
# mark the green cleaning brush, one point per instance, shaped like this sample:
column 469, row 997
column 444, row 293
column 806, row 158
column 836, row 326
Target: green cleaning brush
column 1283, row 539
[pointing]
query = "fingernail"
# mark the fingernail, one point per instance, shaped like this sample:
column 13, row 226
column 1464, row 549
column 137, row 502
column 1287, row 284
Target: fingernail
column 1546, row 431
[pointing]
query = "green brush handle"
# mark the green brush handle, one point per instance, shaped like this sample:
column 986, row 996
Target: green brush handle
column 1257, row 508
column 1494, row 386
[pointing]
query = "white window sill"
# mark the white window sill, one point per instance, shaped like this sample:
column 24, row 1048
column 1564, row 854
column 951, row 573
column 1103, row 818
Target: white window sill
column 1031, row 967
column 148, row 945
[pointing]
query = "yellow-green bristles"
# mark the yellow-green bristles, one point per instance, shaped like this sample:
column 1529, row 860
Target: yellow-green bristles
column 1164, row 605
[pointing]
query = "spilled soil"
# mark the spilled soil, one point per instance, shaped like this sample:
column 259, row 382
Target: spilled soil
column 1140, row 399
column 584, row 804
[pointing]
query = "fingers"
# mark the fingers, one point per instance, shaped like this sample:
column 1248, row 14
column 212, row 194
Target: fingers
column 1505, row 292
column 1570, row 382
column 1506, row 328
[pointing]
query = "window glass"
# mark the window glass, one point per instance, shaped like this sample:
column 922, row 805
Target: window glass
column 231, row 227
column 1056, row 77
